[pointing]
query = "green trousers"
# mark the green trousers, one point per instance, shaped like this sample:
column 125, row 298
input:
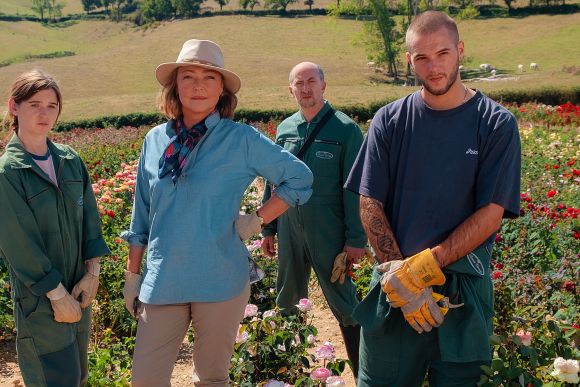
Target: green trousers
column 50, row 354
column 310, row 237
column 393, row 354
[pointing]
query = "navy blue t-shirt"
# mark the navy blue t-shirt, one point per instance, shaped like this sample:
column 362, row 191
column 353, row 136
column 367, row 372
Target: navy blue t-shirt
column 432, row 169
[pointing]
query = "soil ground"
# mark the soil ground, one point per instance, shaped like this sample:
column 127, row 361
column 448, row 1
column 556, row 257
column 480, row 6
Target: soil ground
column 322, row 318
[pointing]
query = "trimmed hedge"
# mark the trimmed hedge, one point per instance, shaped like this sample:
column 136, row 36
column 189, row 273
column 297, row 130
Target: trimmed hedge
column 361, row 113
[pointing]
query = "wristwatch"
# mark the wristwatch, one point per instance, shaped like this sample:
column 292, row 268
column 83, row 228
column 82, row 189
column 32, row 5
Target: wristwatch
column 261, row 219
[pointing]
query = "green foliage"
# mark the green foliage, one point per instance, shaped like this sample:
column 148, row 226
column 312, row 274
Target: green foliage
column 469, row 12
column 157, row 9
column 110, row 361
column 280, row 5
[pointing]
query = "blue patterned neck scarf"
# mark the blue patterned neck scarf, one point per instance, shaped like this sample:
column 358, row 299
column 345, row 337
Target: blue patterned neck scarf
column 173, row 158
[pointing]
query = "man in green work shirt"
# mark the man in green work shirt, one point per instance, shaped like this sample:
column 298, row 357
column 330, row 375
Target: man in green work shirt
column 312, row 235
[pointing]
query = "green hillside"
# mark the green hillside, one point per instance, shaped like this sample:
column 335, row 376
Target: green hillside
column 112, row 71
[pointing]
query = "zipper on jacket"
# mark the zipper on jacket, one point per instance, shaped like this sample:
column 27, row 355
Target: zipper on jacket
column 327, row 142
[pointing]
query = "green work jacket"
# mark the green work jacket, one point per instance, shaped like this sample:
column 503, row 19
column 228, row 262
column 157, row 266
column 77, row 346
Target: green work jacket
column 330, row 158
column 48, row 231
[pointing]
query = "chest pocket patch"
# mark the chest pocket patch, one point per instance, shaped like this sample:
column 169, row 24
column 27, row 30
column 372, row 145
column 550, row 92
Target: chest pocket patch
column 324, row 155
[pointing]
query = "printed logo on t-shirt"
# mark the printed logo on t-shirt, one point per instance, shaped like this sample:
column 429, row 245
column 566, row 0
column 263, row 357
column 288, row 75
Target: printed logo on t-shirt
column 470, row 151
column 80, row 201
column 324, row 155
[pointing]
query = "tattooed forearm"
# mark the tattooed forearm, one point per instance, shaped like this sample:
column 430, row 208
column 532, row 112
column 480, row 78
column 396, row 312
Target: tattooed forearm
column 378, row 230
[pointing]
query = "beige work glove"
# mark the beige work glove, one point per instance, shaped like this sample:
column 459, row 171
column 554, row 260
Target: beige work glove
column 422, row 312
column 131, row 293
column 66, row 309
column 340, row 268
column 87, row 287
column 248, row 225
column 402, row 280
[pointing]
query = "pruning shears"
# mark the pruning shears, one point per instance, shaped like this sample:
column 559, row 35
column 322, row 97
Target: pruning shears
column 444, row 303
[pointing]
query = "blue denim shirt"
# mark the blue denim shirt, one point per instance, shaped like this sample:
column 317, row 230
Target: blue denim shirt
column 194, row 253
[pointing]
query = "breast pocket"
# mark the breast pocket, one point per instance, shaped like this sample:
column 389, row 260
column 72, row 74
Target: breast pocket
column 325, row 161
column 74, row 198
column 292, row 145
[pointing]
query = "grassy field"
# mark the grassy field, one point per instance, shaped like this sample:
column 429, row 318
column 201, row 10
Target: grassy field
column 113, row 69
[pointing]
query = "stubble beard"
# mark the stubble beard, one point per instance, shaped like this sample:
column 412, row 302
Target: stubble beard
column 450, row 81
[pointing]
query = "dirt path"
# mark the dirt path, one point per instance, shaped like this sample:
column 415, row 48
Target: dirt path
column 322, row 318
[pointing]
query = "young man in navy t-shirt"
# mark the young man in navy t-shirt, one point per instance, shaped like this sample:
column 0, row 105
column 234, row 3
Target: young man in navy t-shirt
column 437, row 172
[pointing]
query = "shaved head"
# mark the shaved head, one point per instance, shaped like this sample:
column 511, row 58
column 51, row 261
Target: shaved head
column 305, row 66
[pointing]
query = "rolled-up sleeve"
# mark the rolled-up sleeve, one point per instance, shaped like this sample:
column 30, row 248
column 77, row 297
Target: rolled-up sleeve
column 291, row 178
column 138, row 234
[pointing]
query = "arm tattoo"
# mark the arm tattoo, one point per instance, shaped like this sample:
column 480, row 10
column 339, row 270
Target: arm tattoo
column 379, row 230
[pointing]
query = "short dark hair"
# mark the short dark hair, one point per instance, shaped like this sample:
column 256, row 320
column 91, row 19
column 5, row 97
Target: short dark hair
column 430, row 22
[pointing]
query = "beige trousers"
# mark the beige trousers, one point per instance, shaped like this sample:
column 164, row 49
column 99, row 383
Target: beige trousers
column 162, row 328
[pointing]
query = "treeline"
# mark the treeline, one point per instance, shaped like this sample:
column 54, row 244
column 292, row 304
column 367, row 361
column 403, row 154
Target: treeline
column 361, row 113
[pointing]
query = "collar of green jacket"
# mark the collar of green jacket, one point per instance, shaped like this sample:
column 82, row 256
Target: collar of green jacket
column 300, row 117
column 20, row 158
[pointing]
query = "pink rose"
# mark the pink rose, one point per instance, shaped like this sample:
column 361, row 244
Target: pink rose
column 304, row 305
column 526, row 337
column 320, row 373
column 325, row 352
column 251, row 310
column 335, row 381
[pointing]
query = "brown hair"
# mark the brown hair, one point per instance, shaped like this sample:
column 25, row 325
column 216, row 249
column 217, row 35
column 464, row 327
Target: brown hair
column 430, row 22
column 170, row 105
column 25, row 86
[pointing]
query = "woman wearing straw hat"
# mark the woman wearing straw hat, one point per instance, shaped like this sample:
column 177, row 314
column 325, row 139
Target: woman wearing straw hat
column 191, row 178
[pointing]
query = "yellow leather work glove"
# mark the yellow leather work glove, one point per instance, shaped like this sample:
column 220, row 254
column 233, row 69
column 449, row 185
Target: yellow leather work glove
column 403, row 280
column 65, row 308
column 87, row 287
column 339, row 269
column 422, row 312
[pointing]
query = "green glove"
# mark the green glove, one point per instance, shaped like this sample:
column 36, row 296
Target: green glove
column 403, row 280
column 422, row 312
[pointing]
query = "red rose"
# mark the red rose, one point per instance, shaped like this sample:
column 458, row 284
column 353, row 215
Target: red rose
column 551, row 193
column 496, row 275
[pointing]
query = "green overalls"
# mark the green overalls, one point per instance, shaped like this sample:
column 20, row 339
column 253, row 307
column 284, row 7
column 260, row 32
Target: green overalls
column 393, row 354
column 311, row 235
column 47, row 233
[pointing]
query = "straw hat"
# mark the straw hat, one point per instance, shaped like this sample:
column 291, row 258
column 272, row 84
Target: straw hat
column 202, row 53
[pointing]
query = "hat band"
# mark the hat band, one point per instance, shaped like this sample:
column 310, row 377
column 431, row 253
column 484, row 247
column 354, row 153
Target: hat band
column 200, row 62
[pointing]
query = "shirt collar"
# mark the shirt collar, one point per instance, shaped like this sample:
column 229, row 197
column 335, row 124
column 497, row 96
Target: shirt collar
column 211, row 122
column 318, row 115
column 20, row 158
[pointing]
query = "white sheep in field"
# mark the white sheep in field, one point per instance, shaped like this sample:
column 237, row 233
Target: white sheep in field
column 461, row 67
column 371, row 65
column 520, row 68
column 485, row 67
column 493, row 72
column 534, row 66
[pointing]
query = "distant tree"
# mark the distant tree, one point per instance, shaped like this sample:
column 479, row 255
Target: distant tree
column 244, row 4
column 187, row 8
column 55, row 9
column 509, row 4
column 222, row 3
column 382, row 38
column 89, row 5
column 157, row 9
column 41, row 7
column 278, row 4
column 309, row 3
